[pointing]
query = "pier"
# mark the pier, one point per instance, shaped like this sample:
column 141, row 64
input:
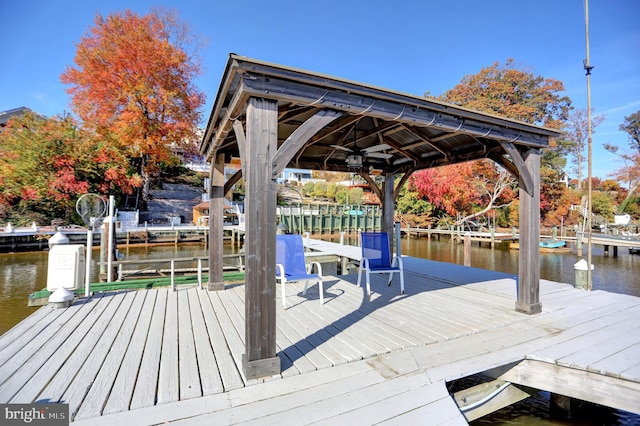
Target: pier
column 32, row 239
column 156, row 355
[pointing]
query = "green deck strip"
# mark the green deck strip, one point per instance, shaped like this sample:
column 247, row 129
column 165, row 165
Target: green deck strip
column 144, row 283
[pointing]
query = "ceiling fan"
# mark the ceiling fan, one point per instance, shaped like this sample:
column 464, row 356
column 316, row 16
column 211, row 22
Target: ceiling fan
column 356, row 158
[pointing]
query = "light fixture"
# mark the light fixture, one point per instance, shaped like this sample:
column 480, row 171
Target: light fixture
column 354, row 161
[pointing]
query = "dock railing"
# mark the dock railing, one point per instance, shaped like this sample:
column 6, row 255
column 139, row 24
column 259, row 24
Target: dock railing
column 123, row 273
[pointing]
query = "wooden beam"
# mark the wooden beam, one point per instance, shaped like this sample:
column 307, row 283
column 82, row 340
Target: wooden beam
column 291, row 111
column 337, row 125
column 217, row 130
column 475, row 124
column 260, row 359
column 241, row 139
column 584, row 385
column 508, row 165
column 232, row 181
column 423, row 141
column 403, row 180
column 387, row 205
column 528, row 287
column 300, row 137
column 524, row 174
column 216, row 220
column 372, row 184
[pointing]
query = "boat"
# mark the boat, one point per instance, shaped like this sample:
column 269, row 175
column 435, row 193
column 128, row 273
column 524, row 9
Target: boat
column 553, row 244
column 550, row 246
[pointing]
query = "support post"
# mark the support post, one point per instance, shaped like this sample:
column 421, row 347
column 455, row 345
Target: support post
column 216, row 223
column 387, row 206
column 467, row 249
column 528, row 291
column 260, row 359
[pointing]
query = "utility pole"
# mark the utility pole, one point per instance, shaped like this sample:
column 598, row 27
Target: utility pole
column 588, row 67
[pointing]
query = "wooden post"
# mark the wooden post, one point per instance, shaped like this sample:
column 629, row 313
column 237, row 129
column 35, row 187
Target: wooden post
column 260, row 358
column 528, row 290
column 387, row 206
column 216, row 223
column 467, row 249
column 493, row 237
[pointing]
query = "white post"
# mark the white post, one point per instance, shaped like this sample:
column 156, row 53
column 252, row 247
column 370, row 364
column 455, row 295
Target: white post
column 110, row 240
column 200, row 273
column 173, row 284
column 87, row 279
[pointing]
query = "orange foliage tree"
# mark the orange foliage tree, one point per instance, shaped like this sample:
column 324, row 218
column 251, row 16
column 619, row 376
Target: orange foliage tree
column 509, row 91
column 132, row 81
column 45, row 164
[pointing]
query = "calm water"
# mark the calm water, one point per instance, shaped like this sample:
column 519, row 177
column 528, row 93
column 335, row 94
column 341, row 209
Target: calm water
column 24, row 273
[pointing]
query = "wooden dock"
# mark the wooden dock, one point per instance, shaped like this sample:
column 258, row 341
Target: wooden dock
column 154, row 356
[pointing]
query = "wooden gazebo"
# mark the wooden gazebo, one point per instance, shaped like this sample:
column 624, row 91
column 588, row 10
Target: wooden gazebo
column 272, row 117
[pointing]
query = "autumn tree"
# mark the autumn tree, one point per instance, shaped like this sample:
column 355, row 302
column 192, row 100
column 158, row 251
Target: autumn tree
column 133, row 83
column 467, row 190
column 447, row 188
column 577, row 136
column 46, row 164
column 513, row 92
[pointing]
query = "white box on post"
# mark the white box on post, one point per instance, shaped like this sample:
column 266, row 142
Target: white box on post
column 65, row 273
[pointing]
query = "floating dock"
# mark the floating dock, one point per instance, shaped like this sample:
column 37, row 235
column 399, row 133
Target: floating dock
column 155, row 355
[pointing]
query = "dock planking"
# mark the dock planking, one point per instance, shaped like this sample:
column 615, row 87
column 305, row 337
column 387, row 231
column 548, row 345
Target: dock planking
column 157, row 355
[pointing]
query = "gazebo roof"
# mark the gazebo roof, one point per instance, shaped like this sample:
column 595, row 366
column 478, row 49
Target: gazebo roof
column 406, row 132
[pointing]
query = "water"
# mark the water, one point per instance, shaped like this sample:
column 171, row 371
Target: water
column 614, row 274
column 24, row 273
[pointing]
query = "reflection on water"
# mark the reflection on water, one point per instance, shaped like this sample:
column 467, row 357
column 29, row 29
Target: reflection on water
column 615, row 274
column 24, row 273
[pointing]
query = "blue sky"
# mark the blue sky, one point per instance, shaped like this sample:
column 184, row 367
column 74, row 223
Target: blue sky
column 412, row 46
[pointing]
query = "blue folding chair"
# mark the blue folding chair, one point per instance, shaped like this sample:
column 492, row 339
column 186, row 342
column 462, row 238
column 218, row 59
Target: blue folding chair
column 291, row 265
column 376, row 258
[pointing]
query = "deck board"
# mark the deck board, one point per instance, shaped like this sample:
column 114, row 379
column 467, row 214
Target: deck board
column 102, row 384
column 122, row 390
column 144, row 394
column 229, row 374
column 188, row 364
column 207, row 365
column 156, row 355
column 35, row 379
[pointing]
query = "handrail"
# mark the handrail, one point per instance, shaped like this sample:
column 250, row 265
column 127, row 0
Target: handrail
column 172, row 262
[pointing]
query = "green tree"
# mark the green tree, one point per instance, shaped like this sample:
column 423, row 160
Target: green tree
column 602, row 205
column 356, row 196
column 308, row 188
column 341, row 195
column 320, row 190
column 332, row 188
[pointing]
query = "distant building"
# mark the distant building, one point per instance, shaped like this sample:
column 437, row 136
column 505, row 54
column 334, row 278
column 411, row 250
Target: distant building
column 297, row 176
column 5, row 116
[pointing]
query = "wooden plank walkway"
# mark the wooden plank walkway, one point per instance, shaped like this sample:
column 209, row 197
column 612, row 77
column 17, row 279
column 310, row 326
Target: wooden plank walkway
column 151, row 356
